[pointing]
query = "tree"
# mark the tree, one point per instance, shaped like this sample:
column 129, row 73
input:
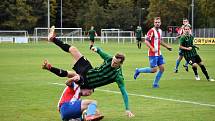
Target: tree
column 40, row 11
column 120, row 14
column 204, row 13
column 167, row 9
column 18, row 15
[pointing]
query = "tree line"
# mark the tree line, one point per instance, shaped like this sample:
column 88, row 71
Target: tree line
column 123, row 14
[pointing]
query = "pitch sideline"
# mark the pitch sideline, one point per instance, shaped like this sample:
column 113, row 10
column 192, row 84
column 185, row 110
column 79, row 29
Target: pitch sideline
column 152, row 97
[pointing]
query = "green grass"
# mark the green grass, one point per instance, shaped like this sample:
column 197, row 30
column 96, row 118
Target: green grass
column 27, row 92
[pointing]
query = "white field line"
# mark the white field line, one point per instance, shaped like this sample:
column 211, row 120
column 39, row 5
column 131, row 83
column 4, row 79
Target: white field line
column 152, row 97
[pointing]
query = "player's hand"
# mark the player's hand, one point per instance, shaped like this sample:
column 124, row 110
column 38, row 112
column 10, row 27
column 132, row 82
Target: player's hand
column 129, row 113
column 73, row 79
column 46, row 65
column 94, row 49
column 189, row 48
column 169, row 48
column 153, row 50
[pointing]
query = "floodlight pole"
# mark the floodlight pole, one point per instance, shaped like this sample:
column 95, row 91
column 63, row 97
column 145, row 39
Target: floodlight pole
column 48, row 13
column 61, row 16
column 192, row 5
column 140, row 15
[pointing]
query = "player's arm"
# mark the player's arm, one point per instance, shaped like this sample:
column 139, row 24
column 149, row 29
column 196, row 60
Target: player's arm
column 148, row 44
column 166, row 45
column 102, row 54
column 121, row 85
column 197, row 47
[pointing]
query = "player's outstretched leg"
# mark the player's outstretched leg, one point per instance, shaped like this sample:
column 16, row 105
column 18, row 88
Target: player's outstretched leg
column 58, row 42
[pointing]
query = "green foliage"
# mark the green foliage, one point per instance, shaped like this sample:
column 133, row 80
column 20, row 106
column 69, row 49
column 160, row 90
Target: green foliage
column 17, row 15
column 53, row 11
column 120, row 14
column 167, row 10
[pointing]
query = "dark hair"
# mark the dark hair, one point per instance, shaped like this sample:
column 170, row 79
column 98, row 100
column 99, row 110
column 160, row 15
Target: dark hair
column 120, row 56
column 157, row 18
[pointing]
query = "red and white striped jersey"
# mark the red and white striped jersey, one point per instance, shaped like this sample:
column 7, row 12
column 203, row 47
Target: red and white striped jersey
column 181, row 31
column 155, row 37
column 69, row 94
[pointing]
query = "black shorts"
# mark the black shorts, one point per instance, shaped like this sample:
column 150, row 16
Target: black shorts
column 81, row 67
column 138, row 39
column 92, row 40
column 194, row 59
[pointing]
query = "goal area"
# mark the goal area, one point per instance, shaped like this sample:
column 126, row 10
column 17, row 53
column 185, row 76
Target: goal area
column 116, row 35
column 19, row 36
column 65, row 34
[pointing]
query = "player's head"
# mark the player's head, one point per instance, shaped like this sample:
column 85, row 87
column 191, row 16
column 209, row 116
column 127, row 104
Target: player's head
column 157, row 22
column 86, row 92
column 187, row 29
column 117, row 60
column 185, row 21
column 92, row 27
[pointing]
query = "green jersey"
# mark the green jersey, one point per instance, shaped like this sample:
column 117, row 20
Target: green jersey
column 138, row 33
column 92, row 34
column 104, row 74
column 187, row 41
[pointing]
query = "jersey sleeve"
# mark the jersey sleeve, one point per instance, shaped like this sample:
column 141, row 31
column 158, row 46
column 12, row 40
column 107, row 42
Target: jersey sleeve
column 102, row 54
column 149, row 35
column 121, row 85
column 181, row 40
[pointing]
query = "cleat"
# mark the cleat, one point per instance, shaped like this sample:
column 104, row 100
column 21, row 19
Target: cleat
column 91, row 47
column 155, row 86
column 136, row 73
column 211, row 80
column 51, row 33
column 46, row 65
column 185, row 67
column 96, row 117
column 197, row 77
column 175, row 70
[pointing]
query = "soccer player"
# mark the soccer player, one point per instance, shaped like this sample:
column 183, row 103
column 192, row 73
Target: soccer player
column 87, row 76
column 71, row 106
column 190, row 53
column 138, row 34
column 92, row 33
column 153, row 41
column 180, row 54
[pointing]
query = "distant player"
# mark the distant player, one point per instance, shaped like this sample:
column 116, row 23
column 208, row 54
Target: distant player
column 190, row 53
column 92, row 33
column 87, row 76
column 138, row 34
column 180, row 54
column 153, row 41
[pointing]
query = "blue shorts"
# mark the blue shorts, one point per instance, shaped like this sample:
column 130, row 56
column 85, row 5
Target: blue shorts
column 71, row 110
column 156, row 61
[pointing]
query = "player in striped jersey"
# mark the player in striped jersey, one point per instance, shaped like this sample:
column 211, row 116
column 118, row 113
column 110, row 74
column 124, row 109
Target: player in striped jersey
column 87, row 76
column 153, row 41
column 71, row 106
column 180, row 54
column 190, row 53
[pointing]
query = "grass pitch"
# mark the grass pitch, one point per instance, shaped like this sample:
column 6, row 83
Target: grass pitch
column 28, row 93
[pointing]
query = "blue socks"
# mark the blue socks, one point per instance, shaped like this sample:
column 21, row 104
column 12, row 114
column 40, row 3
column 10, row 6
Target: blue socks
column 145, row 70
column 157, row 78
column 177, row 64
column 91, row 110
